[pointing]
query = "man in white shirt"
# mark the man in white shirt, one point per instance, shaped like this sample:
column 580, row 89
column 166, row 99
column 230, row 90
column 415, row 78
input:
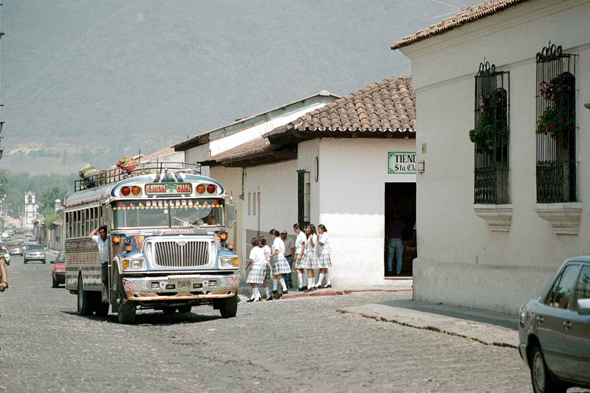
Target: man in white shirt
column 101, row 241
column 289, row 250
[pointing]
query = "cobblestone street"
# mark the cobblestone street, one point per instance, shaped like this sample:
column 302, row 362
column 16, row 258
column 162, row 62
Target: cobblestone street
column 286, row 345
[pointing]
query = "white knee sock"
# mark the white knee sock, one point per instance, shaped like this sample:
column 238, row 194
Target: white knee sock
column 275, row 284
column 283, row 284
column 300, row 279
column 320, row 279
column 310, row 282
column 256, row 293
column 267, row 289
column 327, row 278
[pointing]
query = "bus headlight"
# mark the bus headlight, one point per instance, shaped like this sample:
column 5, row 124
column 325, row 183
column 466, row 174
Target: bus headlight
column 133, row 264
column 229, row 262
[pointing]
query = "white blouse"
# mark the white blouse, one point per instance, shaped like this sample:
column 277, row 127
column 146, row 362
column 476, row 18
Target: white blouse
column 325, row 239
column 279, row 245
column 315, row 241
column 299, row 243
column 266, row 250
column 257, row 255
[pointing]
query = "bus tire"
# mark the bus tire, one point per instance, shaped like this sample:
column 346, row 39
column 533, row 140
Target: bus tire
column 184, row 309
column 228, row 307
column 127, row 312
column 54, row 283
column 84, row 301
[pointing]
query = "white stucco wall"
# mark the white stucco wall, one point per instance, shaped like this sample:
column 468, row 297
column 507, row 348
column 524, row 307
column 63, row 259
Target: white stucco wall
column 460, row 261
column 277, row 184
column 196, row 154
column 353, row 174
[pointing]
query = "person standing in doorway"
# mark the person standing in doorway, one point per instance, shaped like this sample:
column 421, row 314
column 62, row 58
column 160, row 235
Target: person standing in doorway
column 394, row 232
column 325, row 262
column 311, row 255
column 289, row 251
column 103, row 250
column 299, row 256
column 279, row 264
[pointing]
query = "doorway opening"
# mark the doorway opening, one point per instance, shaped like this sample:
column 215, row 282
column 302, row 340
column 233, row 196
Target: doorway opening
column 400, row 229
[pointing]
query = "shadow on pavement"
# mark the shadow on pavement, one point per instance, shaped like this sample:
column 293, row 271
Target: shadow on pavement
column 154, row 318
column 508, row 321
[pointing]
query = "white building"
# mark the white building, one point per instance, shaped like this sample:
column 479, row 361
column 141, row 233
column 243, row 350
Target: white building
column 330, row 166
column 30, row 214
column 241, row 131
column 496, row 220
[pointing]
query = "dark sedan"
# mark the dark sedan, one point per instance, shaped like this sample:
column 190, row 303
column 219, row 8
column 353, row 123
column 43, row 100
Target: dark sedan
column 555, row 330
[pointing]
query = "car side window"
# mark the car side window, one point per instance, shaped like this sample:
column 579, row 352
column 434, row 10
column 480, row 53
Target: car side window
column 582, row 287
column 563, row 287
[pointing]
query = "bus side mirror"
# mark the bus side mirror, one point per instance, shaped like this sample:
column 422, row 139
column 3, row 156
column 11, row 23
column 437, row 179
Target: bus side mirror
column 230, row 211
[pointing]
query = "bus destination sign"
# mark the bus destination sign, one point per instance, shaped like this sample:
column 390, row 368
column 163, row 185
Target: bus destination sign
column 173, row 188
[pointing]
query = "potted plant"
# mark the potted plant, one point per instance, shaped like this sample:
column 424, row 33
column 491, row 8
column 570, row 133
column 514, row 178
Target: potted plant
column 491, row 133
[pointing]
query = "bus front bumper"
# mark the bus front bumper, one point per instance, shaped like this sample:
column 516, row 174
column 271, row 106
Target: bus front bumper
column 181, row 287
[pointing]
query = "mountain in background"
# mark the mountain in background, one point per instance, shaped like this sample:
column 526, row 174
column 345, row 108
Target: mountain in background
column 87, row 81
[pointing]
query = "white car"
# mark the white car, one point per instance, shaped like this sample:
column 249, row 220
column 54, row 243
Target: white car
column 5, row 235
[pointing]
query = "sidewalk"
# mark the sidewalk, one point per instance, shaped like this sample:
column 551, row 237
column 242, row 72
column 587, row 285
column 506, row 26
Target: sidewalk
column 401, row 286
column 487, row 327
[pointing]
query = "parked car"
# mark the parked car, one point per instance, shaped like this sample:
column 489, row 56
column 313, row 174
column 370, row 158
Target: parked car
column 58, row 274
column 15, row 248
column 554, row 330
column 6, row 254
column 35, row 252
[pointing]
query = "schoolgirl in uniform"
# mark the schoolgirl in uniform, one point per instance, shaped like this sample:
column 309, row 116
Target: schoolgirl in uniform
column 258, row 272
column 311, row 255
column 299, row 256
column 279, row 263
column 268, row 277
column 325, row 261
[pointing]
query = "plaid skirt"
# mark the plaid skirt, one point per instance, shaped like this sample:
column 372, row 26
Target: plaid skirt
column 325, row 261
column 299, row 263
column 310, row 260
column 258, row 274
column 280, row 265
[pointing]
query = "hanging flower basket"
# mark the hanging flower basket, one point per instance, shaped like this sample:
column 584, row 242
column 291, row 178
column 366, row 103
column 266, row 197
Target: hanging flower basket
column 493, row 110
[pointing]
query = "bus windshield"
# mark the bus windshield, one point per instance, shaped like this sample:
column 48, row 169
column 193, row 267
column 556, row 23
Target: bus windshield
column 157, row 213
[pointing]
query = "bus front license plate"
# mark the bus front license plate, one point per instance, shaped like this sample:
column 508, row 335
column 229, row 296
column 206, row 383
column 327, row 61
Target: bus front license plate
column 183, row 285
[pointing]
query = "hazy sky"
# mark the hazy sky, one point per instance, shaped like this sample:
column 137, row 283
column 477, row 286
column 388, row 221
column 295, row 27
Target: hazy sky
column 88, row 80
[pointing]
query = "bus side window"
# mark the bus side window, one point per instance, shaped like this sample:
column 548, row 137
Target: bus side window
column 78, row 223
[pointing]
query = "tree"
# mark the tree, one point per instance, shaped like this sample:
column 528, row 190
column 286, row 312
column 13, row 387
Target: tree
column 48, row 197
column 3, row 182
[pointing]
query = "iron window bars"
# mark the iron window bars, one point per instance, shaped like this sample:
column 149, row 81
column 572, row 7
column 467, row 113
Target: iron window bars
column 556, row 126
column 491, row 135
column 303, row 197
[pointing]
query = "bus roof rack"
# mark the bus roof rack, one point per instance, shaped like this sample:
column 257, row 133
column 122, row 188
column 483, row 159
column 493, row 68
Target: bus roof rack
column 109, row 176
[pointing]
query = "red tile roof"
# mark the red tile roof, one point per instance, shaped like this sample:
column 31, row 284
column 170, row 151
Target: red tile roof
column 471, row 14
column 383, row 107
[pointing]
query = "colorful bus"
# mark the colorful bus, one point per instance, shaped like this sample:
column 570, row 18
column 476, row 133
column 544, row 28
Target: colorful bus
column 167, row 241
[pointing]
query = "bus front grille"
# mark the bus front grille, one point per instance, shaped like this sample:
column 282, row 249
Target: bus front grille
column 182, row 254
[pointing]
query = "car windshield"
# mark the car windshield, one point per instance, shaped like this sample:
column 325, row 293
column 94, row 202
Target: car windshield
column 61, row 258
column 35, row 248
column 13, row 245
column 168, row 213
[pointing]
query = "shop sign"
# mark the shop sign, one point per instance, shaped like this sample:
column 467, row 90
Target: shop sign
column 174, row 188
column 402, row 163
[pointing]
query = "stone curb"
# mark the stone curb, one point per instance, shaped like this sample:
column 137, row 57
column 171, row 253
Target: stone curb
column 340, row 293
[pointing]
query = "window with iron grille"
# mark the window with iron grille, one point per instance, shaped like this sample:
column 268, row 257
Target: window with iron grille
column 491, row 136
column 303, row 197
column 556, row 126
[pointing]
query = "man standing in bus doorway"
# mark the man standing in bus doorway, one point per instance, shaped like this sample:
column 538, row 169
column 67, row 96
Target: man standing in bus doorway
column 103, row 250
